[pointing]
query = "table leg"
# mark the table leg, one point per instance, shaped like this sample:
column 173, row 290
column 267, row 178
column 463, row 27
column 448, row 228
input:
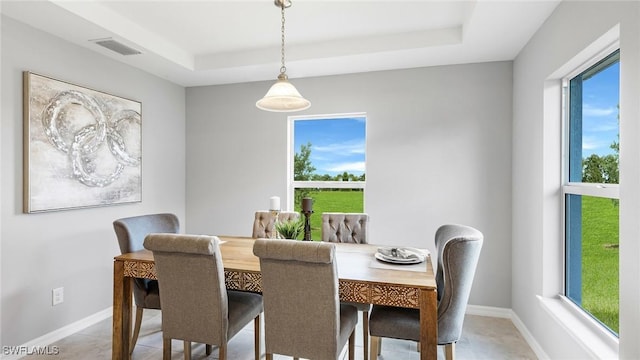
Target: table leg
column 428, row 325
column 122, row 305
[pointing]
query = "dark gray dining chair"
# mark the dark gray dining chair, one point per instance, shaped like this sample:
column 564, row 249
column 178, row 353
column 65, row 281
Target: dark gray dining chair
column 131, row 232
column 263, row 224
column 458, row 248
column 349, row 228
column 190, row 311
column 302, row 310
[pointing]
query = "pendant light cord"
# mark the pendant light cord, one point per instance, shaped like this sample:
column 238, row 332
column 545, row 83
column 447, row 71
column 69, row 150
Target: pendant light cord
column 283, row 69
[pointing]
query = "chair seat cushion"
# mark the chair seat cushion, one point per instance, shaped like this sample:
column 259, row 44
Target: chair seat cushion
column 147, row 294
column 243, row 307
column 394, row 322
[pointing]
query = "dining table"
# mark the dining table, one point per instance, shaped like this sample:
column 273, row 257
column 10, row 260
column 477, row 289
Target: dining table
column 362, row 279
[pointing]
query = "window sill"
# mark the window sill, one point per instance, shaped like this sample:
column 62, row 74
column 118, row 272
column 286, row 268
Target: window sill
column 600, row 343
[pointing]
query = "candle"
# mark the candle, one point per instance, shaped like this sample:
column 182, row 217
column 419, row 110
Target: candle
column 274, row 203
column 307, row 204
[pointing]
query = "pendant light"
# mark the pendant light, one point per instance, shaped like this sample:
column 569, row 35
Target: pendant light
column 283, row 96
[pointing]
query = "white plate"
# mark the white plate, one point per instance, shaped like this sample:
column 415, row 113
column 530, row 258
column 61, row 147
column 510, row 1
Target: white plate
column 381, row 255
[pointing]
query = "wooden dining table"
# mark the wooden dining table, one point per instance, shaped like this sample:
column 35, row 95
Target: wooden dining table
column 362, row 279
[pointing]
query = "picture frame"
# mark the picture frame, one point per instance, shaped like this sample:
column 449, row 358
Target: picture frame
column 82, row 147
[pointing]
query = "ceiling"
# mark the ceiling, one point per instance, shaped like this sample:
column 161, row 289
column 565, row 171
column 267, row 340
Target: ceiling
column 194, row 43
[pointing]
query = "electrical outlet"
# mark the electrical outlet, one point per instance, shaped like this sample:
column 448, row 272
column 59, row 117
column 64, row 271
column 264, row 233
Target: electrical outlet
column 57, row 296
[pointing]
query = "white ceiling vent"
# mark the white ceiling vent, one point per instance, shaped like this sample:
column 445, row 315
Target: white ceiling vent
column 116, row 46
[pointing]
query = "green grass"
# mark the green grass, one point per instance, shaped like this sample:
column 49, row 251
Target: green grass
column 332, row 201
column 600, row 260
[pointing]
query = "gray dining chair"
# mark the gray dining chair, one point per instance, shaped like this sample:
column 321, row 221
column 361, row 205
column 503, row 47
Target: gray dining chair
column 345, row 227
column 458, row 248
column 131, row 232
column 194, row 313
column 349, row 228
column 303, row 314
column 263, row 224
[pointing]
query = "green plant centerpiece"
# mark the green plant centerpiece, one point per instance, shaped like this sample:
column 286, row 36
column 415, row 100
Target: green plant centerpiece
column 291, row 229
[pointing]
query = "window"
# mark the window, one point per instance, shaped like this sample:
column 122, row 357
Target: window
column 590, row 189
column 327, row 164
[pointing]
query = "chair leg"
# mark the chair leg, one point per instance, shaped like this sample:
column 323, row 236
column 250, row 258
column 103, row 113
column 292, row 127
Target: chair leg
column 222, row 353
column 166, row 348
column 374, row 349
column 352, row 345
column 208, row 349
column 256, row 338
column 268, row 356
column 365, row 333
column 187, row 350
column 136, row 328
column 450, row 351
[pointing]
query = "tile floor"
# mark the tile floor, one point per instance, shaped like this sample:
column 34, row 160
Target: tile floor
column 482, row 338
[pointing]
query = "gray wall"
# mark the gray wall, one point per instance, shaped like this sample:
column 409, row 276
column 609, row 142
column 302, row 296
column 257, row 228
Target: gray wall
column 556, row 49
column 75, row 248
column 438, row 151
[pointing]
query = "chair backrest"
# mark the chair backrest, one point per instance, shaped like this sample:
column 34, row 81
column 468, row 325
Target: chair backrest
column 458, row 248
column 301, row 298
column 345, row 227
column 264, row 220
column 192, row 288
column 131, row 231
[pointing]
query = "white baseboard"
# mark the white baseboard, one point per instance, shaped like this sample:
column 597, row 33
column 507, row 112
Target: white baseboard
column 509, row 314
column 528, row 337
column 41, row 343
column 489, row 311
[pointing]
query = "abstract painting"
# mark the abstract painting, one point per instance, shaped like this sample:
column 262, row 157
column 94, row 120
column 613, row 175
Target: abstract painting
column 82, row 148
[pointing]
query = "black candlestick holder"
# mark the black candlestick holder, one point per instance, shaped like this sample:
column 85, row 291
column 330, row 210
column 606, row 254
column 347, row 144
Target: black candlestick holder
column 307, row 225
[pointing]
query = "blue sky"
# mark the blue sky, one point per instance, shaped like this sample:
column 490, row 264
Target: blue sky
column 337, row 145
column 600, row 99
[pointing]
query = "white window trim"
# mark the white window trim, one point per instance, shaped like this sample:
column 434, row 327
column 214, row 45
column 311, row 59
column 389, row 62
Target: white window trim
column 601, row 341
column 593, row 338
column 329, row 184
column 610, row 191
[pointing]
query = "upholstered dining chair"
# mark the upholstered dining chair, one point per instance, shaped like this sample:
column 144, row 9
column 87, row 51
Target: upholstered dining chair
column 194, row 313
column 302, row 310
column 349, row 228
column 345, row 227
column 458, row 248
column 264, row 222
column 131, row 232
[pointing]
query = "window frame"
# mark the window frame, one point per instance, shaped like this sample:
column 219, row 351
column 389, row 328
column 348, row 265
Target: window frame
column 293, row 184
column 603, row 190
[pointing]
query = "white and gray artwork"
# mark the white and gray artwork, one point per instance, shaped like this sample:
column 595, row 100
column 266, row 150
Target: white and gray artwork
column 83, row 147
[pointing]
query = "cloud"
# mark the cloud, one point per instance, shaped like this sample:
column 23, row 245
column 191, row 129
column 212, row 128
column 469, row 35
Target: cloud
column 591, row 144
column 590, row 110
column 344, row 149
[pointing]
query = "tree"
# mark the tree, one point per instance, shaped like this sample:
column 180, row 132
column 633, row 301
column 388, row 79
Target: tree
column 303, row 170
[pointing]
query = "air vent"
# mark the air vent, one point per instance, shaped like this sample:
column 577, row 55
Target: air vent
column 116, row 46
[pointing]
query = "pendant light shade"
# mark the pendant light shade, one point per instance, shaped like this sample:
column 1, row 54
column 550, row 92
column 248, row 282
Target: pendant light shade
column 283, row 96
